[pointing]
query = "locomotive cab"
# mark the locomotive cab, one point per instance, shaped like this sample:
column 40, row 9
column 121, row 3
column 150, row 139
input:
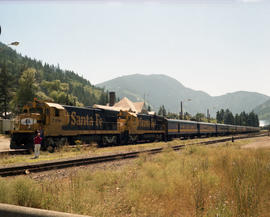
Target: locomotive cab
column 28, row 123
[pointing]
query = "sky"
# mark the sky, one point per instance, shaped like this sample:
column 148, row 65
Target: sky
column 217, row 46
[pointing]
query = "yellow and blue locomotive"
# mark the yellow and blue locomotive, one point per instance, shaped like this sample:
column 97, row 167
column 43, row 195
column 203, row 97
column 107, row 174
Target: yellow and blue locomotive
column 63, row 124
column 60, row 124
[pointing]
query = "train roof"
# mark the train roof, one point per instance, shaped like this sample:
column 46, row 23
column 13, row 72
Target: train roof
column 54, row 105
column 206, row 123
column 104, row 107
column 182, row 121
column 58, row 106
column 76, row 107
column 191, row 122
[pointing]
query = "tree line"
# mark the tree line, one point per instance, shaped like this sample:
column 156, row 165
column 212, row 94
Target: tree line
column 22, row 79
column 186, row 116
column 242, row 119
column 222, row 117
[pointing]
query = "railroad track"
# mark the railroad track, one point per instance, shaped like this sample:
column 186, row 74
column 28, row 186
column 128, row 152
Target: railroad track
column 15, row 151
column 59, row 164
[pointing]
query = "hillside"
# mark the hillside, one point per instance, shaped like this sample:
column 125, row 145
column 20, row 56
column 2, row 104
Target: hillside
column 263, row 111
column 47, row 82
column 162, row 89
column 240, row 101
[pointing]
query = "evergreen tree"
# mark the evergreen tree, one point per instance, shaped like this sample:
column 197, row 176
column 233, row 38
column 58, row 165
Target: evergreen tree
column 162, row 111
column 220, row 116
column 243, row 119
column 252, row 119
column 228, row 117
column 103, row 98
column 257, row 122
column 222, row 113
column 237, row 119
column 6, row 82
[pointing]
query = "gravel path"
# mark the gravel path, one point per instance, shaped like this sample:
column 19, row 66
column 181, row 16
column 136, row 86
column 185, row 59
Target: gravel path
column 260, row 142
column 4, row 143
column 67, row 172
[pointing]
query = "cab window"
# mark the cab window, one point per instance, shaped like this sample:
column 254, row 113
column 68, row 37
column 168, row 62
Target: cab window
column 56, row 112
column 36, row 110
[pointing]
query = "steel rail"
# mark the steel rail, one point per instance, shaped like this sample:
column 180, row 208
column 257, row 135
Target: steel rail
column 14, row 151
column 59, row 164
column 27, row 151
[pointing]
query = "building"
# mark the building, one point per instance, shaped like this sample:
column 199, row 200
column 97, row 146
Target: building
column 124, row 105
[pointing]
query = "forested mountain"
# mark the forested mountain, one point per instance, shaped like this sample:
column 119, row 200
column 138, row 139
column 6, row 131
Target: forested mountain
column 23, row 78
column 263, row 111
column 159, row 90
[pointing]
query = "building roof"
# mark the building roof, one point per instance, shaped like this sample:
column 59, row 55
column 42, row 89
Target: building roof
column 139, row 106
column 124, row 105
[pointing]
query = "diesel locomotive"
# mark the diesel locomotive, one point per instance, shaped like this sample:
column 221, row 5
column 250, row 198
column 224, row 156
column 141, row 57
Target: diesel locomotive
column 63, row 124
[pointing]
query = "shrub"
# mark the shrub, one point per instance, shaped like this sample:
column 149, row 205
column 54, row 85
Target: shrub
column 25, row 192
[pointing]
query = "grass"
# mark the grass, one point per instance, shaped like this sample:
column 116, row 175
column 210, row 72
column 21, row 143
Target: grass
column 91, row 150
column 200, row 181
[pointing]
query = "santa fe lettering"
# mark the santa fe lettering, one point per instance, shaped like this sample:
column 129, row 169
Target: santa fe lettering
column 80, row 120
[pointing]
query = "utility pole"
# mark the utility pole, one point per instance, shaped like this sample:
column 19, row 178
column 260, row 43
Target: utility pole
column 181, row 112
column 144, row 97
column 181, row 107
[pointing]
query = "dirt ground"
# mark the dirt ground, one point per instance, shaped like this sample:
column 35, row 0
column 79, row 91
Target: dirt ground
column 260, row 142
column 4, row 143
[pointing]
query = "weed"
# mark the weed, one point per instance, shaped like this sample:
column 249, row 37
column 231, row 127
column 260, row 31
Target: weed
column 26, row 193
column 194, row 149
column 201, row 181
column 78, row 144
column 3, row 191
